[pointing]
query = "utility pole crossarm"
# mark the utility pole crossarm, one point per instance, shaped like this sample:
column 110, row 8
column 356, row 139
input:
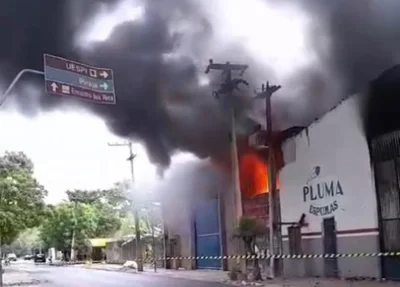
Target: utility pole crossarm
column 119, row 144
column 267, row 91
column 226, row 68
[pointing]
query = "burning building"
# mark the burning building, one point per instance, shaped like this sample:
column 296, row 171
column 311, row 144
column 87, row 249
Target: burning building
column 205, row 223
column 328, row 177
column 340, row 174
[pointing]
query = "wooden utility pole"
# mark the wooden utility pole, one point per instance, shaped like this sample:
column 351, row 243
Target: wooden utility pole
column 227, row 87
column 266, row 93
column 138, row 242
column 73, row 256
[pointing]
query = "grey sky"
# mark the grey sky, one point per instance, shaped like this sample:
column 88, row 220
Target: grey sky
column 70, row 150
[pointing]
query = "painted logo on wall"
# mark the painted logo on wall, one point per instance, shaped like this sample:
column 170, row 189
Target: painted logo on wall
column 321, row 193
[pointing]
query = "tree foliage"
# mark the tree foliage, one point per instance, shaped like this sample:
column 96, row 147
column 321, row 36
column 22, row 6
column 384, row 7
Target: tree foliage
column 28, row 242
column 248, row 229
column 96, row 214
column 21, row 196
column 57, row 229
column 14, row 159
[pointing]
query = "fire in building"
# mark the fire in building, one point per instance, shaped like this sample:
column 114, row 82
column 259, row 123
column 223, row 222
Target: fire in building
column 341, row 173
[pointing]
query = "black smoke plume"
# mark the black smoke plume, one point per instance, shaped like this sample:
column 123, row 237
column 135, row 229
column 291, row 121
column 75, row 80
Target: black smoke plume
column 363, row 41
column 160, row 101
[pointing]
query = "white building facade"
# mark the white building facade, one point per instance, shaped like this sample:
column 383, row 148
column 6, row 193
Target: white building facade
column 328, row 177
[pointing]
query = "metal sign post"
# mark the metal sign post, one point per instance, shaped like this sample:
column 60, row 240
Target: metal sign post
column 16, row 79
column 68, row 78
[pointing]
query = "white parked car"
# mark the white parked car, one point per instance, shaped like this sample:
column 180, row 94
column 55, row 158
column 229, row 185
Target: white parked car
column 11, row 257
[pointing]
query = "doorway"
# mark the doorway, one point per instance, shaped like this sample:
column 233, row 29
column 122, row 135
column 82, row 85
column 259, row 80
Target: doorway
column 207, row 234
column 330, row 247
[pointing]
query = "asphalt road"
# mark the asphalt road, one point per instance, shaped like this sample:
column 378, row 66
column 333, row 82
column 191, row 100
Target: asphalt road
column 80, row 277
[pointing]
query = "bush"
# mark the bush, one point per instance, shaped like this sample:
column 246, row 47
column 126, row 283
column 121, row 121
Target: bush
column 247, row 230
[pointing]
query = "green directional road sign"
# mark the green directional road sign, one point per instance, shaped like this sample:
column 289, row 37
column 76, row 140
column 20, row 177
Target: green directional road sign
column 68, row 78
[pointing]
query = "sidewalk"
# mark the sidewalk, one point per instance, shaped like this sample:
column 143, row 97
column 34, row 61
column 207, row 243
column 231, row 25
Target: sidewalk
column 222, row 277
column 12, row 277
column 202, row 275
column 323, row 282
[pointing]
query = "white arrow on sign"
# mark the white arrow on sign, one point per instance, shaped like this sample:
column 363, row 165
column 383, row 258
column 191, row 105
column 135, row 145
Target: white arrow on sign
column 104, row 86
column 54, row 87
column 104, row 74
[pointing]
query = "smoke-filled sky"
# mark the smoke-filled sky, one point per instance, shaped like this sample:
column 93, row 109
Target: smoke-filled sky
column 319, row 51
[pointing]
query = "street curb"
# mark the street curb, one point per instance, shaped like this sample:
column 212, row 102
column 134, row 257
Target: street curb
column 151, row 273
column 25, row 283
column 161, row 274
column 122, row 269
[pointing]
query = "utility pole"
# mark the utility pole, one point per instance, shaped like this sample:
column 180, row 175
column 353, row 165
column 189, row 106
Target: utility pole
column 152, row 223
column 227, row 88
column 131, row 158
column 266, row 93
column 74, row 230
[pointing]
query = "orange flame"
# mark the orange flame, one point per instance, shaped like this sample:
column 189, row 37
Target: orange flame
column 253, row 175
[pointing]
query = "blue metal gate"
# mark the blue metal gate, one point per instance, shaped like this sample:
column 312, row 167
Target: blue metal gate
column 207, row 234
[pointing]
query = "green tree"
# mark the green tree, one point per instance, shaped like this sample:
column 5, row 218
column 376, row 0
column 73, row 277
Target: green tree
column 248, row 229
column 26, row 243
column 21, row 196
column 107, row 220
column 97, row 214
column 58, row 228
column 83, row 196
column 127, row 227
column 16, row 159
column 113, row 197
column 106, row 205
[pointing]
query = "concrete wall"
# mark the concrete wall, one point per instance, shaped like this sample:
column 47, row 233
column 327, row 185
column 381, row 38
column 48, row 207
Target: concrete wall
column 192, row 183
column 180, row 224
column 328, row 173
column 347, row 267
column 116, row 252
column 179, row 227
